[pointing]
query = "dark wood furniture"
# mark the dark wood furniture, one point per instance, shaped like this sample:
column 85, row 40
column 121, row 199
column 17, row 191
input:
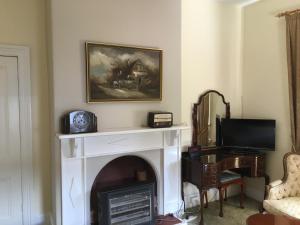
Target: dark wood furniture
column 203, row 168
column 200, row 113
column 203, row 165
column 270, row 219
column 224, row 183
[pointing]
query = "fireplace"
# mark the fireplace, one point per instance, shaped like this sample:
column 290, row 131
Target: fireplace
column 150, row 156
column 131, row 182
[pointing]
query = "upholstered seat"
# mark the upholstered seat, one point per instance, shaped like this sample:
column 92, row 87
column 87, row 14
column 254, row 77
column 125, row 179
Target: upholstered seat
column 289, row 206
column 228, row 176
column 284, row 195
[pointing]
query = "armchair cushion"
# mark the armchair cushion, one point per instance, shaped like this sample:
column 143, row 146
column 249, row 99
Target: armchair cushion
column 289, row 206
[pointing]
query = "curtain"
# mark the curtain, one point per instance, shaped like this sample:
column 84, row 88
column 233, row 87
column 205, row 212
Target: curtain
column 293, row 59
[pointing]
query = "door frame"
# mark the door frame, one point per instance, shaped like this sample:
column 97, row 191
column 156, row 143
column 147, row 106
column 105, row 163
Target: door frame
column 23, row 61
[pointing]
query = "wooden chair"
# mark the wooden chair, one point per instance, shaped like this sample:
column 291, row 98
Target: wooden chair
column 228, row 178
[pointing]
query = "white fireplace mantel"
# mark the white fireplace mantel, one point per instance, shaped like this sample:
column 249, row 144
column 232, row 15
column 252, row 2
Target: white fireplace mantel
column 81, row 157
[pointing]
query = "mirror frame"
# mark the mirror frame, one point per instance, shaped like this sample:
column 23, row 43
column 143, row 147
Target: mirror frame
column 195, row 111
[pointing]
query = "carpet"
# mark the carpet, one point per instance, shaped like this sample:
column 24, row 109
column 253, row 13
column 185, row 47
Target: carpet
column 233, row 214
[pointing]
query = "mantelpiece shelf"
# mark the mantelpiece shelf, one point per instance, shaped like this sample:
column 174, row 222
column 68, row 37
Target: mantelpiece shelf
column 131, row 130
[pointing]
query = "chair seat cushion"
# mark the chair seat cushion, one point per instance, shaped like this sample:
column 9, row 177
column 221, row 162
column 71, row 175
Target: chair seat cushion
column 227, row 176
column 289, row 206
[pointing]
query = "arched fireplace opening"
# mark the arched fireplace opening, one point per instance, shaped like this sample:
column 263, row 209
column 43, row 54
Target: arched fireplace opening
column 130, row 176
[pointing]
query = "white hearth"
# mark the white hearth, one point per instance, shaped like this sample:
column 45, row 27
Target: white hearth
column 82, row 156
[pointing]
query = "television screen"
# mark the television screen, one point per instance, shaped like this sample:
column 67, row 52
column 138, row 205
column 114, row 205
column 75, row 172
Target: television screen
column 248, row 133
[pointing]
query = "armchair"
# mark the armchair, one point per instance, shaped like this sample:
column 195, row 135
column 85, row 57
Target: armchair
column 283, row 196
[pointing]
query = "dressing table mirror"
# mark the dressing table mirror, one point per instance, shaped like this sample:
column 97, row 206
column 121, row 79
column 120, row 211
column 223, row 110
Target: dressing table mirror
column 207, row 114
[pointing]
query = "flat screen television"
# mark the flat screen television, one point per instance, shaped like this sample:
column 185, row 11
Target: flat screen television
column 248, row 133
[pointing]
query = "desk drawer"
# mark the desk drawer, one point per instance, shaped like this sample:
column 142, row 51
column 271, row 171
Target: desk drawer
column 210, row 177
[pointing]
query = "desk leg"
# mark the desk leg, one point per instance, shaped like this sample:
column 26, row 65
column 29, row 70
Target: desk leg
column 221, row 201
column 201, row 194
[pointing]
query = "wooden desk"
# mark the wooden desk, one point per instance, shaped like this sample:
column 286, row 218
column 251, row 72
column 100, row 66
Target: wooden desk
column 270, row 219
column 203, row 168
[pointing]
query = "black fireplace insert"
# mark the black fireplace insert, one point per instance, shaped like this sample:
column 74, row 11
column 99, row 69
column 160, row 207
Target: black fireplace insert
column 127, row 205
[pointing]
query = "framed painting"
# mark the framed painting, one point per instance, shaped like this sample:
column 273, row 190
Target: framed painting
column 122, row 73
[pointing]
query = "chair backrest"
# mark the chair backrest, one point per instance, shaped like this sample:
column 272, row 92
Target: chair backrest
column 292, row 173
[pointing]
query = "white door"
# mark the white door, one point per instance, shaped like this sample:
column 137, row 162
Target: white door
column 10, row 154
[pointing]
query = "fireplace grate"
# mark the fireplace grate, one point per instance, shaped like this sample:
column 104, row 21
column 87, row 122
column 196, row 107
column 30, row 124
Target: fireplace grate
column 129, row 205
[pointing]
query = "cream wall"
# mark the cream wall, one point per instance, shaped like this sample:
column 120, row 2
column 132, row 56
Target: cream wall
column 23, row 23
column 265, row 79
column 136, row 22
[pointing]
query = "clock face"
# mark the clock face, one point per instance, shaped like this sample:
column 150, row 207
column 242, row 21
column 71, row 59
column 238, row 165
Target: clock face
column 81, row 120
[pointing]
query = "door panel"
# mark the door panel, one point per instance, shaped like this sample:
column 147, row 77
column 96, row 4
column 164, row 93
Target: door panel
column 10, row 157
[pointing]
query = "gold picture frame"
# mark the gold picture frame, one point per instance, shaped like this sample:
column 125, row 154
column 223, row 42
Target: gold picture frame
column 122, row 73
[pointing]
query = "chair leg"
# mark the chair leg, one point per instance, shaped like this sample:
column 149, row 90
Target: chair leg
column 201, row 222
column 221, row 201
column 206, row 200
column 225, row 190
column 242, row 196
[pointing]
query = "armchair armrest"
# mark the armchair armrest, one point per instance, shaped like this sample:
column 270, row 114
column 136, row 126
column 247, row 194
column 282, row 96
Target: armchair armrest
column 278, row 189
column 275, row 183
